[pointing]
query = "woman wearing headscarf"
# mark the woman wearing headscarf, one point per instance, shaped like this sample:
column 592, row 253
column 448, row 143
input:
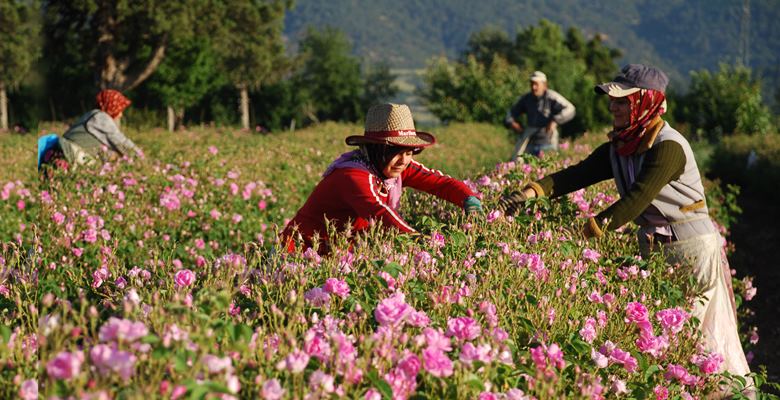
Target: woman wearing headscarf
column 661, row 190
column 365, row 185
column 96, row 130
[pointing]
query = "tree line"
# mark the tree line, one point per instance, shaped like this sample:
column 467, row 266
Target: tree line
column 226, row 61
column 493, row 71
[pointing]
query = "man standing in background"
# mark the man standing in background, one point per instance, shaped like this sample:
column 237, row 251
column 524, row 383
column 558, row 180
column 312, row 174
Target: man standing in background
column 546, row 109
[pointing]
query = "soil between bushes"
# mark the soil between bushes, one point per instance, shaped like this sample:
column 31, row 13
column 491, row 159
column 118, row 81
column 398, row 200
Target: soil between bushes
column 756, row 236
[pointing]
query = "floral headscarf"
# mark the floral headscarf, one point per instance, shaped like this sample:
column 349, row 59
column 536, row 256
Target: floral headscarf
column 112, row 102
column 646, row 105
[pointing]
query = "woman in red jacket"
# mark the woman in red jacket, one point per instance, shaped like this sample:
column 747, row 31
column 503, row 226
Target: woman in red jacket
column 366, row 184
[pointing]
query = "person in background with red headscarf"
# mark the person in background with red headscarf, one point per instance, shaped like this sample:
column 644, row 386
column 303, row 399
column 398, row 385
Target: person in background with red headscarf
column 661, row 190
column 96, row 135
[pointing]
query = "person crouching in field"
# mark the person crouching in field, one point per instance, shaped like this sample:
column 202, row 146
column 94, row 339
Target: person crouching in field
column 661, row 190
column 365, row 185
column 95, row 131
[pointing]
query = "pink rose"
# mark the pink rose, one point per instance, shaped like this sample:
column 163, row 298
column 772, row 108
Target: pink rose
column 418, row 319
column 624, row 358
column 422, row 258
column 317, row 297
column 316, row 345
column 29, row 390
column 437, row 363
column 410, row 366
column 588, row 331
column 494, row 215
column 599, row 359
column 651, row 344
column 435, row 339
column 372, row 394
column 679, row 373
column 178, row 392
column 661, row 392
column 65, row 365
column 216, row 364
column 122, row 330
column 672, row 319
column 272, row 390
column 393, row 310
column 58, row 218
column 636, row 312
column 295, row 362
column 708, row 364
column 321, row 382
column 470, row 353
column 108, row 360
column 89, row 235
column 337, row 287
column 183, row 278
column 591, row 255
column 463, row 328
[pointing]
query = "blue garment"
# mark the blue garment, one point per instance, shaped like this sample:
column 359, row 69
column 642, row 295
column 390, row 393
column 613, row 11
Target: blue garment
column 46, row 143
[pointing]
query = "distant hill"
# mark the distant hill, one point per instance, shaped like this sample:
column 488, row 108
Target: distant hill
column 677, row 35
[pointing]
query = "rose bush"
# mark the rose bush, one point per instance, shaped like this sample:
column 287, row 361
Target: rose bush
column 163, row 279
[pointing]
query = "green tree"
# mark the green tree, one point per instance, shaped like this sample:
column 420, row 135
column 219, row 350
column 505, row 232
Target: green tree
column 472, row 91
column 249, row 40
column 19, row 47
column 330, row 79
column 486, row 43
column 189, row 72
column 572, row 64
column 378, row 85
column 124, row 41
column 724, row 102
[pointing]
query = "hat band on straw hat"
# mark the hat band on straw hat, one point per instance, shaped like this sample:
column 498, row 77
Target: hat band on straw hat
column 384, row 134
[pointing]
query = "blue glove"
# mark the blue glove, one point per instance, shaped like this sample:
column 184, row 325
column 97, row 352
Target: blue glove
column 472, row 205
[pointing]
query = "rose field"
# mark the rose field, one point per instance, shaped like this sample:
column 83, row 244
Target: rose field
column 162, row 278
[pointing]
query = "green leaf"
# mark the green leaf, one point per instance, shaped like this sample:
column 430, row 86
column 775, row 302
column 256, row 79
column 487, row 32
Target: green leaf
column 458, row 239
column 381, row 385
column 150, row 339
column 216, row 387
column 474, row 382
column 180, row 363
column 161, row 353
column 393, row 268
column 651, row 371
column 581, row 347
column 198, row 392
column 5, row 332
column 243, row 333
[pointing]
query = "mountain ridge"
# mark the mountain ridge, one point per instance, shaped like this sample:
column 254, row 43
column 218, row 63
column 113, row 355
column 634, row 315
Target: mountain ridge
column 677, row 35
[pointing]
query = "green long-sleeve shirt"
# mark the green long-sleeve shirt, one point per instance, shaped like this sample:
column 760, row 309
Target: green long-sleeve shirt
column 663, row 163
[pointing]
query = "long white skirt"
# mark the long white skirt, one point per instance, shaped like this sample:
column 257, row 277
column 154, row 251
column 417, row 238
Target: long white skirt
column 715, row 308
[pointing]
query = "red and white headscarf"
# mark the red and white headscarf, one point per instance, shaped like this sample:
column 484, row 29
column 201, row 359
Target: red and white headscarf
column 646, row 105
column 112, row 102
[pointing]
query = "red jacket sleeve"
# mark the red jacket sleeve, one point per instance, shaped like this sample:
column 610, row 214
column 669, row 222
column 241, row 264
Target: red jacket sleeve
column 436, row 183
column 363, row 196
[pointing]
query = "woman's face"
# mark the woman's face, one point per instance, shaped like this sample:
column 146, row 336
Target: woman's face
column 398, row 164
column 620, row 107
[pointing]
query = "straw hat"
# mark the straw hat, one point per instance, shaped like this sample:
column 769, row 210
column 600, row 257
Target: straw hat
column 391, row 124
